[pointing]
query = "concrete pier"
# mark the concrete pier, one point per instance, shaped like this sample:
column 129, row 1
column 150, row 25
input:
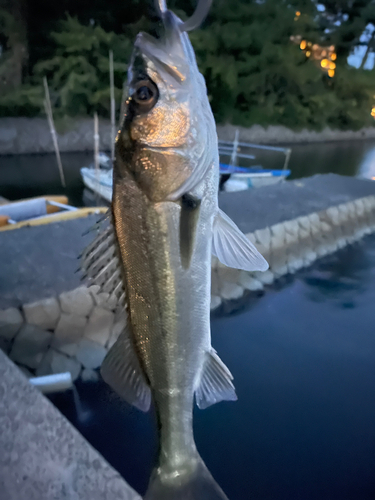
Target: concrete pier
column 42, row 456
column 50, row 323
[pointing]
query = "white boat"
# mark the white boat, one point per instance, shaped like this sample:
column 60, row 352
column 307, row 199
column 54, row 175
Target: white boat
column 240, row 178
column 99, row 181
column 240, row 181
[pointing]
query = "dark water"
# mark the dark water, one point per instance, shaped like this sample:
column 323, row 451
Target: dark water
column 303, row 360
column 25, row 176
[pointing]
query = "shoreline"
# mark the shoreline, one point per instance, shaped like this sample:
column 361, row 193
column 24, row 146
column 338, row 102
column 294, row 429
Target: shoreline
column 32, row 135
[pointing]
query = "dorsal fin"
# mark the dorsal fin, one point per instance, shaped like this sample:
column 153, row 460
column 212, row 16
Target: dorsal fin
column 101, row 263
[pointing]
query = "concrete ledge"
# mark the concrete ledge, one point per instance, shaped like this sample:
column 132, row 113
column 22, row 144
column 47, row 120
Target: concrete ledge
column 42, row 456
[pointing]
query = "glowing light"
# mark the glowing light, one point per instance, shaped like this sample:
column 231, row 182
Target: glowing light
column 331, row 73
column 373, row 178
column 324, row 53
column 308, row 53
column 324, row 63
column 332, row 65
column 333, row 57
column 298, row 13
column 302, row 45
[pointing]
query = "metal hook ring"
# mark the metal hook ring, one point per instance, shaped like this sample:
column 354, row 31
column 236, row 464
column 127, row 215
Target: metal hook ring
column 195, row 20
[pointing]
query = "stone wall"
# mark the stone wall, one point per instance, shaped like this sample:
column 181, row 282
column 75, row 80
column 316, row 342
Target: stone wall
column 294, row 244
column 73, row 332
column 283, row 135
column 32, row 135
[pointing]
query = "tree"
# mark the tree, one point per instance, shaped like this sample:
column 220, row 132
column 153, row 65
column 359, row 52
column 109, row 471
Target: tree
column 344, row 21
column 13, row 43
column 255, row 74
column 78, row 72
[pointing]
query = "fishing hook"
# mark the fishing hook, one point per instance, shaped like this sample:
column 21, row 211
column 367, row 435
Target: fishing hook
column 195, row 20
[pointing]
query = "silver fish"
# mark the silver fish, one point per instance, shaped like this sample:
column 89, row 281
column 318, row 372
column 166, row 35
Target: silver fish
column 165, row 226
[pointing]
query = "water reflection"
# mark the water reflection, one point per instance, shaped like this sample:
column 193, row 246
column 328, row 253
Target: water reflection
column 340, row 278
column 344, row 158
column 367, row 167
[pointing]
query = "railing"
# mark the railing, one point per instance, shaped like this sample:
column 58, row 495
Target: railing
column 233, row 149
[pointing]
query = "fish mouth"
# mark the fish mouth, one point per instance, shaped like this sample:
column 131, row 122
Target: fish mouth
column 170, row 52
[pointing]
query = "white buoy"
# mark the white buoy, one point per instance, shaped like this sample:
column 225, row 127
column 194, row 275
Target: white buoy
column 53, row 383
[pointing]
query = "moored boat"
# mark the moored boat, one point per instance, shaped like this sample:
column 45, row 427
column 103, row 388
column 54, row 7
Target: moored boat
column 232, row 176
column 40, row 210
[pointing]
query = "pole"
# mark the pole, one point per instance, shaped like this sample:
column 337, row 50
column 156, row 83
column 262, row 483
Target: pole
column 96, row 153
column 48, row 109
column 96, row 142
column 113, row 109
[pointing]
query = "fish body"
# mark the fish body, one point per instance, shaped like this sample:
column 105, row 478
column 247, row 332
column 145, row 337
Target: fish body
column 166, row 224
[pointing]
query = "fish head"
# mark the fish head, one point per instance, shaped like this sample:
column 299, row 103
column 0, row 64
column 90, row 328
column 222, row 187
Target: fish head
column 168, row 136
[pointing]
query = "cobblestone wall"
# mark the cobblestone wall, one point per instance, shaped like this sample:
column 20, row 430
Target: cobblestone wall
column 294, row 244
column 73, row 332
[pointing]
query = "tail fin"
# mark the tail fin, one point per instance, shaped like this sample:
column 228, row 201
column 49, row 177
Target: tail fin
column 195, row 485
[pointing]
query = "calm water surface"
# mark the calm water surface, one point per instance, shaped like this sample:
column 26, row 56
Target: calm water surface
column 303, row 360
column 24, row 176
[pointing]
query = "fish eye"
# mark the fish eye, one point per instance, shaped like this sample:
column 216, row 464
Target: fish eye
column 145, row 95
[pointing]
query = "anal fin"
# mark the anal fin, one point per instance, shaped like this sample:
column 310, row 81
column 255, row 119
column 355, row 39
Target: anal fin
column 216, row 382
column 122, row 371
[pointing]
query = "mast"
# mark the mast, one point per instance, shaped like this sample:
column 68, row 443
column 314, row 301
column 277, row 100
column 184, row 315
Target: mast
column 48, row 109
column 113, row 109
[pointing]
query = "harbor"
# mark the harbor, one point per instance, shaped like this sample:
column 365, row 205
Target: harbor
column 73, row 326
column 187, row 239
column 312, row 378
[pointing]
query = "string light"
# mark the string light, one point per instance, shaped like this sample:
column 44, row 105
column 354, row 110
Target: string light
column 323, row 56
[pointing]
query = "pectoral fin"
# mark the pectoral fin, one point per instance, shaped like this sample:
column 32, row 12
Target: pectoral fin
column 216, row 382
column 122, row 371
column 188, row 224
column 232, row 247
